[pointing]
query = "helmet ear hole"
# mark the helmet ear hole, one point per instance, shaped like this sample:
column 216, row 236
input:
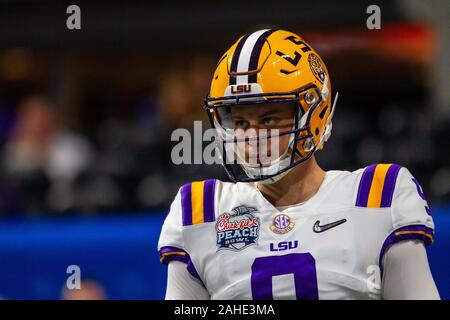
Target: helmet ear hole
column 308, row 99
column 308, row 144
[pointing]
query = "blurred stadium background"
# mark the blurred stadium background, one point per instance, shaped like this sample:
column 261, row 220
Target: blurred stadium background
column 86, row 117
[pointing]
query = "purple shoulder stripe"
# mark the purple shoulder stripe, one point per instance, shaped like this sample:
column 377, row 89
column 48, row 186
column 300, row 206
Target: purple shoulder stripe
column 364, row 186
column 411, row 232
column 208, row 200
column 389, row 185
column 186, row 204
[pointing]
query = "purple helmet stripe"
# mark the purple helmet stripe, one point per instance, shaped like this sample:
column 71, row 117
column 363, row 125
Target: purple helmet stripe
column 208, row 201
column 235, row 59
column 364, row 186
column 253, row 65
column 416, row 232
column 389, row 185
column 186, row 204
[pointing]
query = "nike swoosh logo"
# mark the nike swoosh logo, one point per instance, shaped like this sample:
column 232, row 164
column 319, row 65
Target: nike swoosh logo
column 317, row 228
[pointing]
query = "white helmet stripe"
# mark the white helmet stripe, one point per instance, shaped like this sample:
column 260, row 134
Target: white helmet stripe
column 246, row 52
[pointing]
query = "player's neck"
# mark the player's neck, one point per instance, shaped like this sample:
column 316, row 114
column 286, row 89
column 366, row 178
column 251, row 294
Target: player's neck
column 302, row 182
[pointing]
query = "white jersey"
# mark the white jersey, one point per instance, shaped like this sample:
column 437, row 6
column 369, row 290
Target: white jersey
column 330, row 247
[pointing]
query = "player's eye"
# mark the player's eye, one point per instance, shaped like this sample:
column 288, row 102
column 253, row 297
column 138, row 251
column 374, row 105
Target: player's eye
column 241, row 124
column 269, row 121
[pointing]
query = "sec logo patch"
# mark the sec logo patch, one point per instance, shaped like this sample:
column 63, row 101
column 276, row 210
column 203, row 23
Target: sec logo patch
column 282, row 223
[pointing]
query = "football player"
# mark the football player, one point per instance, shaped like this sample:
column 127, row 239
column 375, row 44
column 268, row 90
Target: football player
column 287, row 229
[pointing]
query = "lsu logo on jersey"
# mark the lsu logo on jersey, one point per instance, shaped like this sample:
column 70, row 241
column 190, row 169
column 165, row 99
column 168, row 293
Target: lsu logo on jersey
column 238, row 229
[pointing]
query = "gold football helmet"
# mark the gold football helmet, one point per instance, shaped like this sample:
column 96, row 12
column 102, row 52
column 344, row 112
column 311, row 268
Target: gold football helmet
column 271, row 66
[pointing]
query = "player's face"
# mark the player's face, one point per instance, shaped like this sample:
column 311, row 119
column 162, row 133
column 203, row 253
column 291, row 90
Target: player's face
column 265, row 122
